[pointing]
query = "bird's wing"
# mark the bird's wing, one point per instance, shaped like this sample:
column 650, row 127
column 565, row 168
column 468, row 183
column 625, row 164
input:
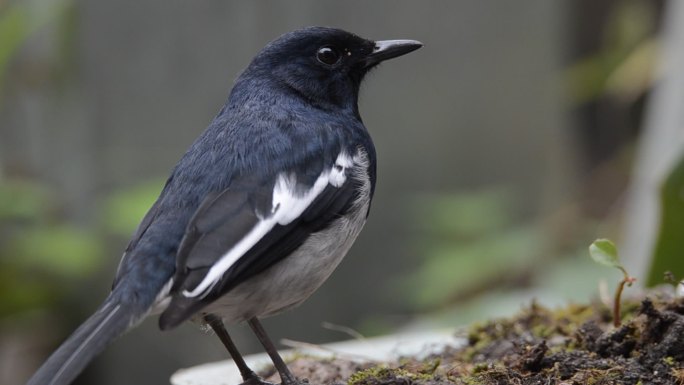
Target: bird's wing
column 250, row 226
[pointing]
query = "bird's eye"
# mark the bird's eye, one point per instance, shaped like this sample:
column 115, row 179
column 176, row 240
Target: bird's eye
column 328, row 55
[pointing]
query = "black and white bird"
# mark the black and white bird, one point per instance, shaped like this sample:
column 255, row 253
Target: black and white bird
column 259, row 211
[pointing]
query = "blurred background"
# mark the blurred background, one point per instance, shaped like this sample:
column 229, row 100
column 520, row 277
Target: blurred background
column 520, row 133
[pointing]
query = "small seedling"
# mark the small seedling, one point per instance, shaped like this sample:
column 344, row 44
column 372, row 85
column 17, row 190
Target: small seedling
column 603, row 251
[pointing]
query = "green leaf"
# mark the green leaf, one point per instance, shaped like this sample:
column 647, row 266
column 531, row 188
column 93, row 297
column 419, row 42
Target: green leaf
column 604, row 252
column 669, row 249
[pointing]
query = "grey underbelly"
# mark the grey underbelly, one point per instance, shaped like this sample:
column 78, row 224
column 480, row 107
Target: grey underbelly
column 292, row 280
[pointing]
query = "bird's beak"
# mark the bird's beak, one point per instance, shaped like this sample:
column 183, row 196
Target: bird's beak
column 388, row 49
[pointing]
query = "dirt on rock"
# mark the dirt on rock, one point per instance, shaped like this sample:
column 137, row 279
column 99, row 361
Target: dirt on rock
column 574, row 345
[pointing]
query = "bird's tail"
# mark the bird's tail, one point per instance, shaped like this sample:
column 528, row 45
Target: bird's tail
column 111, row 320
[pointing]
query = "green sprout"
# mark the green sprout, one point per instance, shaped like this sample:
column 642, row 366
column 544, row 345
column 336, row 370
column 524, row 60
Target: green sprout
column 603, row 251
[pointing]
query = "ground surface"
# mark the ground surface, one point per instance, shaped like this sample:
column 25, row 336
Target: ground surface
column 575, row 345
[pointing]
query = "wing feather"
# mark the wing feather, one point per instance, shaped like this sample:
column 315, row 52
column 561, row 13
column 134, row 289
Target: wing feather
column 247, row 228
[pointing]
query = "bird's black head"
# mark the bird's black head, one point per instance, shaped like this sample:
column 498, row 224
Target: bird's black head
column 323, row 65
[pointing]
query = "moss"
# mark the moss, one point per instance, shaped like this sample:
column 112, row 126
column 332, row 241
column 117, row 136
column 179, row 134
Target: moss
column 360, row 377
column 480, row 368
column 385, row 374
column 576, row 344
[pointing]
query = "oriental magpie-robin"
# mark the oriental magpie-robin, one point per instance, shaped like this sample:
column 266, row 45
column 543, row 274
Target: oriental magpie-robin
column 261, row 208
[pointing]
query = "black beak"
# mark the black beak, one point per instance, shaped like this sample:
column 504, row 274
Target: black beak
column 388, row 49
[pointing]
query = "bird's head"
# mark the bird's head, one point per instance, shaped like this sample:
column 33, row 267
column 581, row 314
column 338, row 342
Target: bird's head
column 323, row 65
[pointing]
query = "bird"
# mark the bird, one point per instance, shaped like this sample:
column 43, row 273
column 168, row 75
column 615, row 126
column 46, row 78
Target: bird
column 259, row 210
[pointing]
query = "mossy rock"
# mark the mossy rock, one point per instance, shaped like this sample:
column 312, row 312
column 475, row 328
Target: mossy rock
column 573, row 345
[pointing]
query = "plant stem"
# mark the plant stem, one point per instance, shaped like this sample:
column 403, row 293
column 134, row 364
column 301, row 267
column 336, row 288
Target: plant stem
column 617, row 319
column 616, row 304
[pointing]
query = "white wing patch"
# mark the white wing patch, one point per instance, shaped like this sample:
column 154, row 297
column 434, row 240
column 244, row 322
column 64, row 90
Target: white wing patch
column 337, row 173
column 288, row 204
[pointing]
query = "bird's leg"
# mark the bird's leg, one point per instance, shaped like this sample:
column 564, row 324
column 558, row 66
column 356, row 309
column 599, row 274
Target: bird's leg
column 248, row 374
column 285, row 375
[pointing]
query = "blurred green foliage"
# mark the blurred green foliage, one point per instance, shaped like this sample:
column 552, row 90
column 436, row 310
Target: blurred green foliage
column 464, row 215
column 452, row 269
column 471, row 241
column 480, row 260
column 61, row 249
column 669, row 250
column 22, row 200
column 13, row 32
column 624, row 67
column 124, row 209
column 43, row 254
column 19, row 20
column 39, row 251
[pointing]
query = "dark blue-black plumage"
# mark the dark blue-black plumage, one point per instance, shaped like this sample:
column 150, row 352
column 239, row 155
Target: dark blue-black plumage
column 289, row 137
